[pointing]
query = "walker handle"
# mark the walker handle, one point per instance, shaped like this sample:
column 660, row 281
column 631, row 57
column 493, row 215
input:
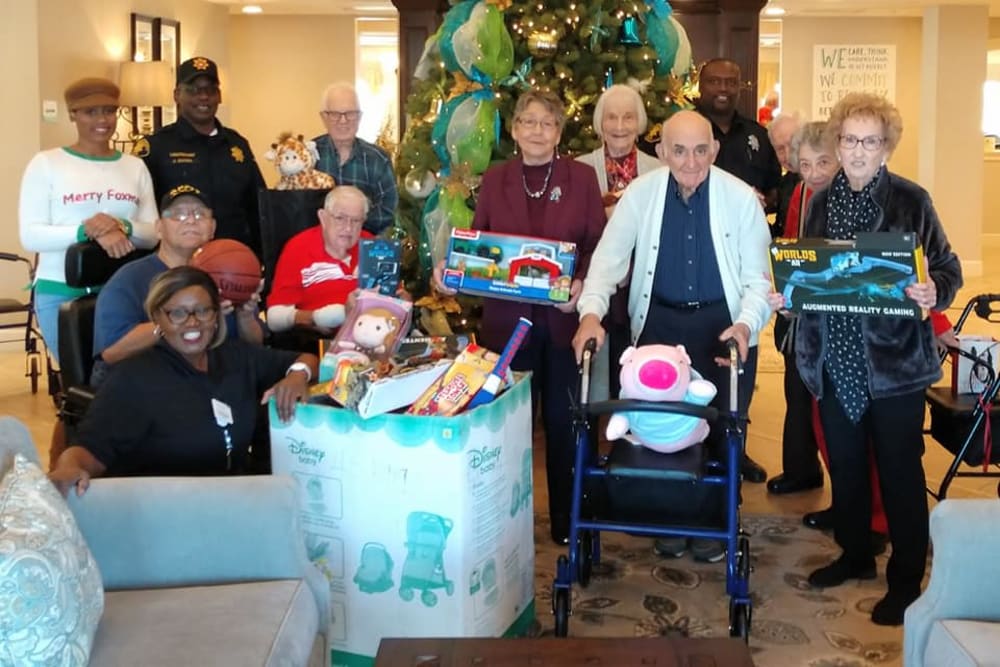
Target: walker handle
column 735, row 369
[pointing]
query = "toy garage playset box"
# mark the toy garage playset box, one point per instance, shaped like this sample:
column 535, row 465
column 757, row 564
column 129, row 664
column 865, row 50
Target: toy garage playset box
column 865, row 276
column 422, row 525
column 505, row 266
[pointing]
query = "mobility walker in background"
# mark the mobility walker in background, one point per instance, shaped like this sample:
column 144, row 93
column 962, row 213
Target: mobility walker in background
column 961, row 422
column 629, row 464
column 25, row 312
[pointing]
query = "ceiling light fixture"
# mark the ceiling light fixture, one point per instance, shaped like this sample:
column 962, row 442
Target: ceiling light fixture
column 774, row 11
column 252, row 9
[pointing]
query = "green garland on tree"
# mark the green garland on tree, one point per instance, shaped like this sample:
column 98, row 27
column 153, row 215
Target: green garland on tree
column 467, row 83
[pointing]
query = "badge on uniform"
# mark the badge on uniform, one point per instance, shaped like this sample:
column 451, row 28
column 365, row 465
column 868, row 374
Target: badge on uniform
column 141, row 147
column 237, row 153
column 223, row 413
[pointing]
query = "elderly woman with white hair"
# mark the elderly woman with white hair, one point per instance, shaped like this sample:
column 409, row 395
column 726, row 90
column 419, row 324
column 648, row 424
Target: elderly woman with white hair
column 619, row 120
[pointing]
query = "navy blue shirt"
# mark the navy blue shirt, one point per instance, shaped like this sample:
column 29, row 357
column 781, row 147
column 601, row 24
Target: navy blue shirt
column 686, row 268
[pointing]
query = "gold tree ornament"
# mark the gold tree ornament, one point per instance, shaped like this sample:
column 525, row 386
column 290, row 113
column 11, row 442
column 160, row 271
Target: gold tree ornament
column 575, row 103
column 543, row 43
column 502, row 5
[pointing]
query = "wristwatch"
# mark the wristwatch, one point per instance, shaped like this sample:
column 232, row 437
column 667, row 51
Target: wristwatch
column 300, row 366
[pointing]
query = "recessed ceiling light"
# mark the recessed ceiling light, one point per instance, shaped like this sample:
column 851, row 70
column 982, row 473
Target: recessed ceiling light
column 252, row 9
column 774, row 11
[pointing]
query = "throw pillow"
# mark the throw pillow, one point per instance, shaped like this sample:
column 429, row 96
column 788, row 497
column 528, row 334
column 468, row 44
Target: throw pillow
column 51, row 596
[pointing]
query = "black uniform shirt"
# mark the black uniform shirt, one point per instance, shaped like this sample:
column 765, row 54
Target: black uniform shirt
column 746, row 152
column 221, row 165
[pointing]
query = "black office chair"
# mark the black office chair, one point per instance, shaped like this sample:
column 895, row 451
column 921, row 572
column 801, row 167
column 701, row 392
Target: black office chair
column 87, row 267
column 283, row 214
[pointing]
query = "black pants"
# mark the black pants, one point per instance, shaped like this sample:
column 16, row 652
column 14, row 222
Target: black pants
column 894, row 427
column 799, row 458
column 698, row 331
column 554, row 378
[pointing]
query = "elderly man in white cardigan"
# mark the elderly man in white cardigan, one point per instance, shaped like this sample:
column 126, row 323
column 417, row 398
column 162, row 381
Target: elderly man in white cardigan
column 701, row 272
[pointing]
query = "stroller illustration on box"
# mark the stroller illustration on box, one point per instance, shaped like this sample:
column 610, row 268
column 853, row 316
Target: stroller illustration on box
column 423, row 569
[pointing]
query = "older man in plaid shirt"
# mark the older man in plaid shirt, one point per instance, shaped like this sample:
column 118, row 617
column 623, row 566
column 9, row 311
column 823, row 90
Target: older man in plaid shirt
column 354, row 161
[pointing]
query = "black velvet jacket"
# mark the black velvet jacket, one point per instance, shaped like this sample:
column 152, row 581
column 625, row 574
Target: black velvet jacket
column 900, row 352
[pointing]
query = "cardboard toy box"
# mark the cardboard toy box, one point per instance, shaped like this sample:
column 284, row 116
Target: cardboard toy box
column 423, row 525
column 504, row 266
column 866, row 276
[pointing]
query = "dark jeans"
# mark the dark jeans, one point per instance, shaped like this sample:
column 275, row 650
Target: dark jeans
column 894, row 428
column 798, row 439
column 554, row 379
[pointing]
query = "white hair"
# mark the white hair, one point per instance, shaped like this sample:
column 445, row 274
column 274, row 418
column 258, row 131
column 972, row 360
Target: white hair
column 620, row 90
column 345, row 191
column 783, row 118
column 337, row 87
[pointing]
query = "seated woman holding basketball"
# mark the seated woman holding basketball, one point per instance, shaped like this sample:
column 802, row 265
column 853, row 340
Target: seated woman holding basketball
column 121, row 327
column 187, row 405
column 316, row 274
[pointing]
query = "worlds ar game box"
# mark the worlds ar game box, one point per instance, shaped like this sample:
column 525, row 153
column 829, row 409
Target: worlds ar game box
column 864, row 276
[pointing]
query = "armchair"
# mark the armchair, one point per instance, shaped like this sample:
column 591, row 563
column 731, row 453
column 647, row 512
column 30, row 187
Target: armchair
column 199, row 571
column 957, row 619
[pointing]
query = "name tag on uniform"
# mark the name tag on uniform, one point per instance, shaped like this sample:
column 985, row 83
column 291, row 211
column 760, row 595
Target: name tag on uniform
column 223, row 413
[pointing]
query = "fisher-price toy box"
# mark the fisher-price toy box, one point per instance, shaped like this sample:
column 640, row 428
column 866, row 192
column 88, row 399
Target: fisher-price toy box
column 505, row 266
column 422, row 525
column 865, row 276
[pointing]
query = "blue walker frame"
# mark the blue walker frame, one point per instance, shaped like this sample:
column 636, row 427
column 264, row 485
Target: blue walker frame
column 584, row 534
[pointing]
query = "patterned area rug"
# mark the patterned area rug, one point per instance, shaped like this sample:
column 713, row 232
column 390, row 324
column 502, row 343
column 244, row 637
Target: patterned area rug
column 635, row 593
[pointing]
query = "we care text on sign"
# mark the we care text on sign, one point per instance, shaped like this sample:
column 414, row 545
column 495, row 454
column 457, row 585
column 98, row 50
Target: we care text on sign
column 842, row 69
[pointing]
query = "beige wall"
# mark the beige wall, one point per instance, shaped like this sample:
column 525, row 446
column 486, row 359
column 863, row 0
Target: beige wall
column 991, row 199
column 800, row 34
column 281, row 64
column 91, row 37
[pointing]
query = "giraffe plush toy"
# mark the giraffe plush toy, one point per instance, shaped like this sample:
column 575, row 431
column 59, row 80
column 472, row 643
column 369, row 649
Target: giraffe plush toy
column 296, row 159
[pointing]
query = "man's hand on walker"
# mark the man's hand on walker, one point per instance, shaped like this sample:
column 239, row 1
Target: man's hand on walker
column 590, row 327
column 739, row 332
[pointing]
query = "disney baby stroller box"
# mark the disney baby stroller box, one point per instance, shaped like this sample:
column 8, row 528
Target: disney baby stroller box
column 590, row 514
column 423, row 569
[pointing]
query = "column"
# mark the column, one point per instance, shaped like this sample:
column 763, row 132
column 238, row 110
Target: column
column 950, row 163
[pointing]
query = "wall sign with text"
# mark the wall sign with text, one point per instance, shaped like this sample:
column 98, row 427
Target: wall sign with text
column 847, row 68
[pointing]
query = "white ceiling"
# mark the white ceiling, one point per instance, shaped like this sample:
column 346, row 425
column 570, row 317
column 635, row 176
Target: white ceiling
column 792, row 7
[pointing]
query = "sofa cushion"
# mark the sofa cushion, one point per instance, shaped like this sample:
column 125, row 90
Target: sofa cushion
column 51, row 596
column 957, row 643
column 257, row 623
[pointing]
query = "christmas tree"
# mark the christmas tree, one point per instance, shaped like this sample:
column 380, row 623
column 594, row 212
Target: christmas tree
column 484, row 54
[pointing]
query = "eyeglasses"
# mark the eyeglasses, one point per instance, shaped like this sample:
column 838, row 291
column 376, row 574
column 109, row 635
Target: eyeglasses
column 341, row 116
column 531, row 123
column 181, row 315
column 346, row 220
column 183, row 215
column 97, row 112
column 870, row 143
column 211, row 89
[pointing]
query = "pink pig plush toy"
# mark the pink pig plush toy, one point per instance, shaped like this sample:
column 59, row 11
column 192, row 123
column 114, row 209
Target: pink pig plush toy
column 660, row 373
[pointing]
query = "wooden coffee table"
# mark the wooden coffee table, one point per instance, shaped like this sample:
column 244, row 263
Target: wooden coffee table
column 569, row 652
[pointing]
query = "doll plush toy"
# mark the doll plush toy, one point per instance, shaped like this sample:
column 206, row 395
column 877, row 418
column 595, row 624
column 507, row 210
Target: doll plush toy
column 660, row 373
column 296, row 159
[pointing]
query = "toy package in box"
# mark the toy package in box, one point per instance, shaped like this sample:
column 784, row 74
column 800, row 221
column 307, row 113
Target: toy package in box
column 504, row 266
column 380, row 387
column 455, row 388
column 378, row 265
column 423, row 526
column 374, row 328
column 865, row 276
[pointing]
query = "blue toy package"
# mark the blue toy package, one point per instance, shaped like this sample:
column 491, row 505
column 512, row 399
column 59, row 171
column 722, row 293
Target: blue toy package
column 505, row 266
column 378, row 265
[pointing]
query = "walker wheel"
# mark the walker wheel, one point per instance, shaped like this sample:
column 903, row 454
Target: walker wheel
column 560, row 607
column 34, row 371
column 739, row 620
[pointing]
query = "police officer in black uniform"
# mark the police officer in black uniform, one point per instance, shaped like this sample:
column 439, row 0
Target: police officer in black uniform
column 745, row 150
column 199, row 151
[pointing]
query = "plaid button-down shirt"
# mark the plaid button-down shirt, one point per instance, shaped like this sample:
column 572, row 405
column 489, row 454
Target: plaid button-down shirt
column 370, row 170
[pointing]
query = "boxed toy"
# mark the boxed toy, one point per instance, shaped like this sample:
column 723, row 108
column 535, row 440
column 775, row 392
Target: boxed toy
column 380, row 387
column 378, row 265
column 504, row 266
column 866, row 276
column 456, row 387
column 373, row 329
column 423, row 526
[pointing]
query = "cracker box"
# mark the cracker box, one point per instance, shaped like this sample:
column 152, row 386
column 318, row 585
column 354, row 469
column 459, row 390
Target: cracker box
column 423, row 526
column 865, row 276
column 504, row 266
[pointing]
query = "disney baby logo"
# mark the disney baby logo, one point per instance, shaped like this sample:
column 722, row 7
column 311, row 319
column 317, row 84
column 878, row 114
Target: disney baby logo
column 306, row 455
column 484, row 459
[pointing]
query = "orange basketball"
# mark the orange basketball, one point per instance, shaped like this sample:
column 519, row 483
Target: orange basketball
column 234, row 267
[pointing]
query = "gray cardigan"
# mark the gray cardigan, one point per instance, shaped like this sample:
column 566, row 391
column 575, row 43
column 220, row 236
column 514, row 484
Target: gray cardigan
column 900, row 353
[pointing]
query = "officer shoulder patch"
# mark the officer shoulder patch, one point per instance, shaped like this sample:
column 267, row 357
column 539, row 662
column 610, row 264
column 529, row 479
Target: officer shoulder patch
column 237, row 153
column 141, row 147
